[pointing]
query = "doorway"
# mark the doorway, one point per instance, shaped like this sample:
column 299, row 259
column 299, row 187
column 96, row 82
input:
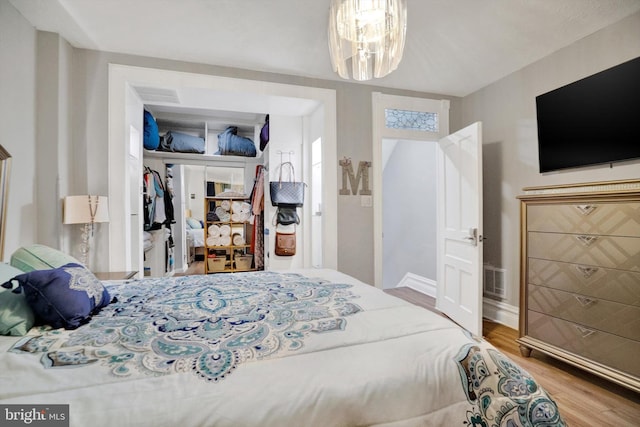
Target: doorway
column 458, row 286
column 399, row 118
column 409, row 212
column 222, row 94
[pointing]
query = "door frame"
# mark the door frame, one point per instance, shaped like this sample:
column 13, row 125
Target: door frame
column 380, row 102
column 122, row 75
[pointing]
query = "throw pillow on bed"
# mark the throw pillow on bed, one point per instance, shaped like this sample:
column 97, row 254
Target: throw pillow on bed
column 16, row 317
column 39, row 257
column 63, row 297
column 193, row 223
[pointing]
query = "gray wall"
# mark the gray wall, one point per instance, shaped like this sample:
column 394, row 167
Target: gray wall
column 506, row 108
column 354, row 133
column 18, row 123
column 507, row 111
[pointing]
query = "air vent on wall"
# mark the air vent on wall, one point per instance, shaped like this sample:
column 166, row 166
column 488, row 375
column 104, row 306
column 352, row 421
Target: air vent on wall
column 494, row 282
column 156, row 94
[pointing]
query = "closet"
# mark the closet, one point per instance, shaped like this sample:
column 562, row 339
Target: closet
column 196, row 177
column 298, row 116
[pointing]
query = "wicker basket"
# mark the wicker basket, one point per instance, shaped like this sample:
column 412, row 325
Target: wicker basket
column 243, row 262
column 216, row 263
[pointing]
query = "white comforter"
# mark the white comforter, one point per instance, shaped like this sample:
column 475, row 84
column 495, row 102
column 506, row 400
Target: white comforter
column 393, row 363
column 195, row 237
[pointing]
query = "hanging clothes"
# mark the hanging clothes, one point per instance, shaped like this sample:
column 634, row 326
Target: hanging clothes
column 158, row 203
column 168, row 196
column 257, row 208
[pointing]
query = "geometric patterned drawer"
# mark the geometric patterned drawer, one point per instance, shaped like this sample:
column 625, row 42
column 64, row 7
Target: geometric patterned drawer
column 606, row 316
column 615, row 219
column 596, row 282
column 601, row 251
column 608, row 349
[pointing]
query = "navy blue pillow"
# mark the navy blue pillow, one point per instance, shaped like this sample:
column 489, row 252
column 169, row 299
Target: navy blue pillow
column 63, row 297
column 151, row 138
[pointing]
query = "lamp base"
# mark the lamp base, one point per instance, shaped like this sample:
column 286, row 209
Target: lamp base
column 84, row 245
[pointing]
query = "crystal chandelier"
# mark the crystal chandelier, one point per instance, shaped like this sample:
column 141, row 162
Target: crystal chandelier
column 366, row 36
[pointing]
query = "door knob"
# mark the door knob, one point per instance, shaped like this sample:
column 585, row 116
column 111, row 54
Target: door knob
column 473, row 236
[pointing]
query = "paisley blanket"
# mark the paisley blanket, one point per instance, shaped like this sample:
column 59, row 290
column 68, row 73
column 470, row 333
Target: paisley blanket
column 268, row 349
column 204, row 324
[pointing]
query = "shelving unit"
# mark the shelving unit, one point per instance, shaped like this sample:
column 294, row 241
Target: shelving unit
column 206, row 124
column 227, row 258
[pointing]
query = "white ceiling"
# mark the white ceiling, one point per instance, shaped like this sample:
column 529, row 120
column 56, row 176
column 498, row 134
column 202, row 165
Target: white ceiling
column 453, row 47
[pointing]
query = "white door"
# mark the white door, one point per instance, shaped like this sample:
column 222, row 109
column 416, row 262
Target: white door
column 459, row 235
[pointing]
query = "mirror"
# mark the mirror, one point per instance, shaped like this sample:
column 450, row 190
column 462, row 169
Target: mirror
column 5, row 171
column 198, row 183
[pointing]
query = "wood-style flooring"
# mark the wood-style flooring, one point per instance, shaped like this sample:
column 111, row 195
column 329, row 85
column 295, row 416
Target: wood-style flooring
column 583, row 398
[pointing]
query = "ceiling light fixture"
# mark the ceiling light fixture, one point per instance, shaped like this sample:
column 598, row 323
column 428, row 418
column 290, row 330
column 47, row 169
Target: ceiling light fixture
column 366, row 36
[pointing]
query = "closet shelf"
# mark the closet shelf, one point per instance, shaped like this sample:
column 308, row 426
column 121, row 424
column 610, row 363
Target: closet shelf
column 174, row 157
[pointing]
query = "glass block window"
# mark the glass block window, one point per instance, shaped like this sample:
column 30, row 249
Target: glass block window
column 411, row 120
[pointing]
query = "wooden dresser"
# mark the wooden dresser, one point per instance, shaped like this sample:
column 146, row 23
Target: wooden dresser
column 580, row 277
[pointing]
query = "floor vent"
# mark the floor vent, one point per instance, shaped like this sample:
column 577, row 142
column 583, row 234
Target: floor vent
column 494, row 282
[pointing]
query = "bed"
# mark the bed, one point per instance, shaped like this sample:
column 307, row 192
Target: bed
column 298, row 348
column 195, row 243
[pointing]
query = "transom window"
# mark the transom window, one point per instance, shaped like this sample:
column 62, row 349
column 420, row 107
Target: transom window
column 411, row 120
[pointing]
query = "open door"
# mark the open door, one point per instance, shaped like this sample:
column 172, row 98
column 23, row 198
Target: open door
column 459, row 235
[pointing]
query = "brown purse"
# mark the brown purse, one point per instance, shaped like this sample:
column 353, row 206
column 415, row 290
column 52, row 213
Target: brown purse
column 285, row 243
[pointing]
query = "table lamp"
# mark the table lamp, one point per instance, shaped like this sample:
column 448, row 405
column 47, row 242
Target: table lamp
column 86, row 210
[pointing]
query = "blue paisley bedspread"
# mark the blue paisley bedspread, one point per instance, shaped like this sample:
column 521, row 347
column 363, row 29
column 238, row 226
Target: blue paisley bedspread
column 204, row 324
column 282, row 349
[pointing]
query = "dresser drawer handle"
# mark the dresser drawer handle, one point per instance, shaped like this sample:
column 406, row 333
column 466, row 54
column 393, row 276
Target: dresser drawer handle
column 584, row 332
column 586, row 240
column 586, row 209
column 587, row 271
column 584, row 301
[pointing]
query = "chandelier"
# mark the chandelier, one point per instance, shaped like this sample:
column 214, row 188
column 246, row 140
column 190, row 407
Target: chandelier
column 366, row 36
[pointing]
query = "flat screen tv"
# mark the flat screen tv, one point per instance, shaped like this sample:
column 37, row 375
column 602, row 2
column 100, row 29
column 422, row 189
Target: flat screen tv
column 592, row 121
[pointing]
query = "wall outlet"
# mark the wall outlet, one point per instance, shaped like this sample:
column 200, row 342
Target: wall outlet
column 366, row 201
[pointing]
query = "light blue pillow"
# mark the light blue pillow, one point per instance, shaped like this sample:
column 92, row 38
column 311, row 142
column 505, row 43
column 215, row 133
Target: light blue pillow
column 16, row 317
column 39, row 257
column 194, row 223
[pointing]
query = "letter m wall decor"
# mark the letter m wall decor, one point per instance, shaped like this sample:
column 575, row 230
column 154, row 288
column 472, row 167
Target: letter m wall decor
column 354, row 180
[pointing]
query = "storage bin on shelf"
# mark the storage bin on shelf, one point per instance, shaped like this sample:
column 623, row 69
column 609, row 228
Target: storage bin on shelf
column 216, row 263
column 243, row 262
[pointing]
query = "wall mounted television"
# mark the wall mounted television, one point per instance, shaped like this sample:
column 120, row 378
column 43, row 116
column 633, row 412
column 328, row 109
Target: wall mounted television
column 591, row 121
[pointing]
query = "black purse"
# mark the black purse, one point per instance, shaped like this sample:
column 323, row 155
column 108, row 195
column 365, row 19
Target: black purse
column 289, row 193
column 286, row 215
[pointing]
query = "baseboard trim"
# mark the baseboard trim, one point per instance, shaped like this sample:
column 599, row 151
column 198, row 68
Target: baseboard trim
column 500, row 312
column 418, row 283
column 496, row 311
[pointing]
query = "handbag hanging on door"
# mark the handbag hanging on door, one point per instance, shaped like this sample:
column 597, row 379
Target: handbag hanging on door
column 290, row 193
column 285, row 244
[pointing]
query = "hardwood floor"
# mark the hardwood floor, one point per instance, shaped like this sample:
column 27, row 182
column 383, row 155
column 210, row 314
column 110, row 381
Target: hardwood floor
column 584, row 399
column 194, row 268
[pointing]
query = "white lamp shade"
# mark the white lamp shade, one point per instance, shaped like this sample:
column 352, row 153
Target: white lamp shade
column 86, row 209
